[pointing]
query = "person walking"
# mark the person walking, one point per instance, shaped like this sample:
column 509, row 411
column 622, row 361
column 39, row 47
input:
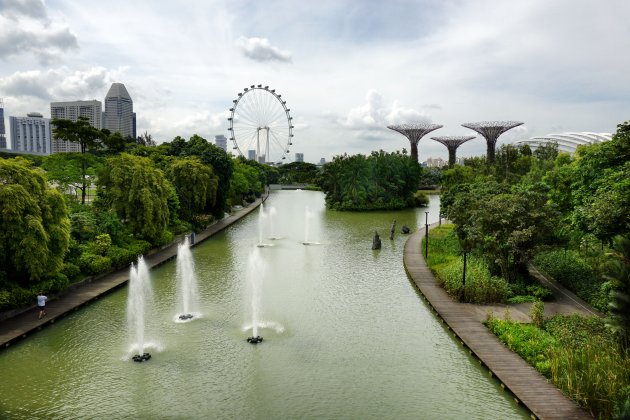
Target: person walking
column 41, row 304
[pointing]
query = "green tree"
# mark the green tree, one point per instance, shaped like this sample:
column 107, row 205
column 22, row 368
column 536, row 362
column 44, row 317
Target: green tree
column 601, row 186
column 34, row 224
column 85, row 135
column 139, row 193
column 618, row 270
column 195, row 184
column 209, row 154
column 298, row 173
column 70, row 170
column 509, row 226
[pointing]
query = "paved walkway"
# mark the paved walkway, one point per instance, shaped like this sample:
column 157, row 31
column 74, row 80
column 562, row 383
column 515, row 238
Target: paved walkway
column 529, row 387
column 23, row 324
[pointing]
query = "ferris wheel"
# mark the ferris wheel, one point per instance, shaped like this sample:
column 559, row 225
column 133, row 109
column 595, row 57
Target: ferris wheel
column 261, row 126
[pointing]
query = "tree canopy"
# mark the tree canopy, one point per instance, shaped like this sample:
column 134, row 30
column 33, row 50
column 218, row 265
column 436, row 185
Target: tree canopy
column 139, row 193
column 34, row 224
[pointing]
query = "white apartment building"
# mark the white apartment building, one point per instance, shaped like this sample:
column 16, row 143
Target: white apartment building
column 31, row 134
column 92, row 110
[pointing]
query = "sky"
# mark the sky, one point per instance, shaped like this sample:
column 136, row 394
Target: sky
column 346, row 68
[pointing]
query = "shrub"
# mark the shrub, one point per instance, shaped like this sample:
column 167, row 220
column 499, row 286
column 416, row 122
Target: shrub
column 71, row 270
column 139, row 247
column 528, row 341
column 94, row 264
column 522, row 299
column 102, row 243
column 420, row 199
column 120, row 257
column 594, row 375
column 481, row 287
column 537, row 313
column 573, row 272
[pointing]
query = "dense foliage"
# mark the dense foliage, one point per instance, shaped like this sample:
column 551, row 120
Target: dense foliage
column 446, row 262
column 34, row 228
column 569, row 214
column 375, row 182
column 579, row 355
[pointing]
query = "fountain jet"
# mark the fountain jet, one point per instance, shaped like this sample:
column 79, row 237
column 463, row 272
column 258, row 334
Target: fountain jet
column 139, row 296
column 255, row 274
column 187, row 282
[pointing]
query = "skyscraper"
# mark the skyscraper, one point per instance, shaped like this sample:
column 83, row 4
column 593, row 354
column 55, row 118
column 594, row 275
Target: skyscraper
column 92, row 110
column 299, row 157
column 221, row 141
column 119, row 115
column 3, row 139
column 31, row 134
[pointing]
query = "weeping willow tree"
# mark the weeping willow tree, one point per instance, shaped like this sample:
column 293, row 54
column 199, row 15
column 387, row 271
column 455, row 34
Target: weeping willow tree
column 195, row 184
column 139, row 193
column 34, row 224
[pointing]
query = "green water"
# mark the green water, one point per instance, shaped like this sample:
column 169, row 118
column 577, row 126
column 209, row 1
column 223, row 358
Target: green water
column 346, row 336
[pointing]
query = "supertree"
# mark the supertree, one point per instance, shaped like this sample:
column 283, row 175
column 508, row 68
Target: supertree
column 491, row 130
column 414, row 132
column 452, row 143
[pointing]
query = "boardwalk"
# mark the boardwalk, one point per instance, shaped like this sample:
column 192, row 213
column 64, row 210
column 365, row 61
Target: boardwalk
column 26, row 323
column 528, row 386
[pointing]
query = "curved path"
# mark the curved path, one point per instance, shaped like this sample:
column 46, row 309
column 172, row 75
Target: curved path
column 529, row 387
column 19, row 325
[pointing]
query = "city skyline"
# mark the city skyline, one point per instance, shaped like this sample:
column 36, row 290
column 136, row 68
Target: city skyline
column 347, row 69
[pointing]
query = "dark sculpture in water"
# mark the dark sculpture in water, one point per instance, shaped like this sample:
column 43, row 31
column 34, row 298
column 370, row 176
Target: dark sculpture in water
column 405, row 229
column 391, row 232
column 376, row 241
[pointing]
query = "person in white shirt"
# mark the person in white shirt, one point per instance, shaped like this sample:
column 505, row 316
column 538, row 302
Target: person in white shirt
column 41, row 304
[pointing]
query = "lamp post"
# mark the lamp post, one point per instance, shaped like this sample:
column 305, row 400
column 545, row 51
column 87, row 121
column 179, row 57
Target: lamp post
column 464, row 278
column 426, row 233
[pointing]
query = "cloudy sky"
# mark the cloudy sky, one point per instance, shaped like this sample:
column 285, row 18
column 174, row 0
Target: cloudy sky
column 347, row 68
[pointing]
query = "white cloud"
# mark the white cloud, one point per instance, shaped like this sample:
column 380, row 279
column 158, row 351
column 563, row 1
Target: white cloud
column 16, row 8
column 26, row 28
column 371, row 119
column 260, row 49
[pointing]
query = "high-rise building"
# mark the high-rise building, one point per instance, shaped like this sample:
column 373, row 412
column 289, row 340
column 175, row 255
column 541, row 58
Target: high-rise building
column 221, row 141
column 119, row 115
column 31, row 134
column 322, row 161
column 3, row 138
column 299, row 157
column 251, row 154
column 92, row 110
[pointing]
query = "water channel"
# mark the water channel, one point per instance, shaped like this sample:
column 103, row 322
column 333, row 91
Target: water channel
column 346, row 335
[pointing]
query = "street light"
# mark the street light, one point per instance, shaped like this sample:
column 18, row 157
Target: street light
column 426, row 233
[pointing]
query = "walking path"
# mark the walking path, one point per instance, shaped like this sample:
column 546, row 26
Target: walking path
column 22, row 324
column 529, row 387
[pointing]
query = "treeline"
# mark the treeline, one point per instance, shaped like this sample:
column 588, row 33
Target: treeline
column 380, row 181
column 52, row 234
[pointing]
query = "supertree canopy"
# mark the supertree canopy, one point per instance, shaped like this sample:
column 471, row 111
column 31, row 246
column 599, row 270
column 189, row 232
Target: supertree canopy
column 452, row 143
column 491, row 130
column 414, row 132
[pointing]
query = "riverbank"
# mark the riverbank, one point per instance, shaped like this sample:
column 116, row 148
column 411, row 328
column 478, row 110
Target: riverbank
column 528, row 386
column 19, row 324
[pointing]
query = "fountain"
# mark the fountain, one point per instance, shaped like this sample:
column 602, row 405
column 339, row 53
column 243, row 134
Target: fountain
column 308, row 215
column 139, row 297
column 186, row 282
column 261, row 224
column 255, row 274
column 271, row 216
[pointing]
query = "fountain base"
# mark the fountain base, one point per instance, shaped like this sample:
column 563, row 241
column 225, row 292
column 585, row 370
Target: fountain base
column 140, row 359
column 185, row 317
column 255, row 340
